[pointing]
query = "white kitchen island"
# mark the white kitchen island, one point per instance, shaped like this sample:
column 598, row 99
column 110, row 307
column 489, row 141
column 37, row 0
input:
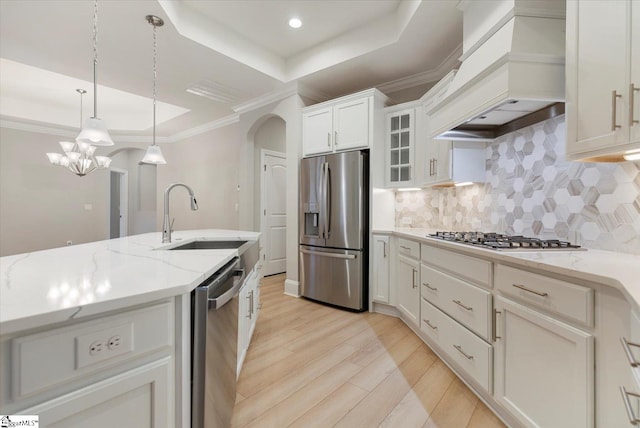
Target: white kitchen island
column 104, row 328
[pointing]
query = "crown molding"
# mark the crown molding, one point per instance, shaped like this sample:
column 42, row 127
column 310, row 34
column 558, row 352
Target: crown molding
column 40, row 129
column 424, row 77
column 201, row 129
column 266, row 99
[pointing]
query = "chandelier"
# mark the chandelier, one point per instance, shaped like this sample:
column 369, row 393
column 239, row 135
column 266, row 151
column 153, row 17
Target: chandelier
column 79, row 157
column 154, row 154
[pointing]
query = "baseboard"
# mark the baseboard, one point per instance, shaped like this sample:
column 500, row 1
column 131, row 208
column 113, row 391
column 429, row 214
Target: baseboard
column 292, row 288
column 383, row 308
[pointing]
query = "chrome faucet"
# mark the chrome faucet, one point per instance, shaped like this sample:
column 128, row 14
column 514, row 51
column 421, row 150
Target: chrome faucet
column 166, row 226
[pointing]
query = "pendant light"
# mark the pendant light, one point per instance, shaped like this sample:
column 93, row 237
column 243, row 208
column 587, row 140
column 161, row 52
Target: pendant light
column 94, row 131
column 154, row 154
column 79, row 157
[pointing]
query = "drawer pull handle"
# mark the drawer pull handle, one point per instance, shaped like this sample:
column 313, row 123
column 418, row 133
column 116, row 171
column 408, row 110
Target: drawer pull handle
column 433, row 327
column 426, row 284
column 405, row 248
column 468, row 308
column 633, row 419
column 467, row 356
column 627, row 350
column 413, row 278
column 537, row 293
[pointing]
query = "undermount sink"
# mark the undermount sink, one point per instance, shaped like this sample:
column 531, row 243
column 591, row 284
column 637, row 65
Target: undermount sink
column 210, row 245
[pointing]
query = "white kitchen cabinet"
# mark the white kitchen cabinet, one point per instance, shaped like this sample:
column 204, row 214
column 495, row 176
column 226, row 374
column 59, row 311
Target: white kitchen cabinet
column 381, row 268
column 247, row 314
column 400, row 144
column 89, row 373
column 544, row 372
column 137, row 398
column 345, row 123
column 408, row 289
column 602, row 78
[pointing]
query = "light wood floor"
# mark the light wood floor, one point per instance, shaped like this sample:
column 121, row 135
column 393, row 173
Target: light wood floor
column 310, row 365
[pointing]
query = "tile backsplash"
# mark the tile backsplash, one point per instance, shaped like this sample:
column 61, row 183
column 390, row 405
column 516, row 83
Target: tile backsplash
column 532, row 190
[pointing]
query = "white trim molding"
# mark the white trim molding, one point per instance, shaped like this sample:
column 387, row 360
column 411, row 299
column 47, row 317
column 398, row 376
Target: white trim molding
column 292, row 288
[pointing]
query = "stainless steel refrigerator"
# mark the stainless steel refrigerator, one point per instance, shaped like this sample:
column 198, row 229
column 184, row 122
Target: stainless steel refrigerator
column 334, row 229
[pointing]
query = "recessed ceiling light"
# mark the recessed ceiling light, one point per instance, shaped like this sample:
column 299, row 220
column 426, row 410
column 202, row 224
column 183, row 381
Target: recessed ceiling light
column 295, row 23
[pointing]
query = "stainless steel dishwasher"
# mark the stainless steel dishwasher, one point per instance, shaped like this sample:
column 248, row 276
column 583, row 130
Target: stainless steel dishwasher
column 215, row 346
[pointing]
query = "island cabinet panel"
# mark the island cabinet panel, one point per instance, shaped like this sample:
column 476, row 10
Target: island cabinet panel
column 543, row 368
column 137, row 398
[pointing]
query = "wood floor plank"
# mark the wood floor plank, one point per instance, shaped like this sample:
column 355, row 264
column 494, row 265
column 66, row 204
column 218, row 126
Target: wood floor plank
column 296, row 405
column 482, row 417
column 455, row 408
column 332, row 408
column 371, row 375
column 248, row 410
column 373, row 408
column 311, row 365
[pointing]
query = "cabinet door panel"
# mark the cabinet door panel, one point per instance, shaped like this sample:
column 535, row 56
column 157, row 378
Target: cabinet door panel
column 137, row 398
column 351, row 124
column 537, row 356
column 316, row 131
column 635, row 70
column 381, row 269
column 600, row 68
column 408, row 281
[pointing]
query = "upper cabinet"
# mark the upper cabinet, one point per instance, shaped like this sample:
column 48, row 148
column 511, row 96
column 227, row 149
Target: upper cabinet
column 400, row 138
column 445, row 162
column 346, row 123
column 603, row 79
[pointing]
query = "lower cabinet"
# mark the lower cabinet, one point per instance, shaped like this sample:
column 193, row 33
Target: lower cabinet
column 247, row 315
column 408, row 280
column 381, row 268
column 136, row 398
column 543, row 368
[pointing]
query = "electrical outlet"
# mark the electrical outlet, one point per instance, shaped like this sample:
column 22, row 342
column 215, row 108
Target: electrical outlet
column 96, row 348
column 101, row 345
column 69, row 243
column 114, row 342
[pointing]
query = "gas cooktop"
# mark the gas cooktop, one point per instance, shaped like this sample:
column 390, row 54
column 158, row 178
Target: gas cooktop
column 498, row 241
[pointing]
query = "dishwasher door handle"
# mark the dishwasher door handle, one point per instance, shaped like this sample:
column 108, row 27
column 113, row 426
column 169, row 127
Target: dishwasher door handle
column 218, row 302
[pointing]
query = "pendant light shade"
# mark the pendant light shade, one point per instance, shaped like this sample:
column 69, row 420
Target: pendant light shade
column 154, row 156
column 94, row 132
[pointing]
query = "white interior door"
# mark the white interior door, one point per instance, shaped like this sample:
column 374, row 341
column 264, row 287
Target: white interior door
column 274, row 213
column 118, row 205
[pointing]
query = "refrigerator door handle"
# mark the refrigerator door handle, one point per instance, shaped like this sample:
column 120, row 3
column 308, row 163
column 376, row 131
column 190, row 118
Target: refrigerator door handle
column 327, row 206
column 332, row 255
column 321, row 214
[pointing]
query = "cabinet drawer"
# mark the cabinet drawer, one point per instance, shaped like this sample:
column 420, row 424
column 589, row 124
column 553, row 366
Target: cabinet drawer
column 466, row 303
column 469, row 352
column 469, row 268
column 570, row 301
column 43, row 360
column 409, row 248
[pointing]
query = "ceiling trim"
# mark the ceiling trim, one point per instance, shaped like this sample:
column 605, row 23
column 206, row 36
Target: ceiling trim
column 40, row 129
column 201, row 129
column 294, row 88
column 424, row 77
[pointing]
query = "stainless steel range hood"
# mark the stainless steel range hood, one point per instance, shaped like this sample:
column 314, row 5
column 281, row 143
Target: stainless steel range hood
column 512, row 72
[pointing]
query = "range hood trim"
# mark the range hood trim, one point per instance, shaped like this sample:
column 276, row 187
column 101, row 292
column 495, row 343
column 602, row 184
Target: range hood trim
column 508, row 63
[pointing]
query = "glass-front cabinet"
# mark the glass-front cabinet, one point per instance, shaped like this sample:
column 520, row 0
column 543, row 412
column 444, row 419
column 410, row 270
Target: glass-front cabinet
column 400, row 147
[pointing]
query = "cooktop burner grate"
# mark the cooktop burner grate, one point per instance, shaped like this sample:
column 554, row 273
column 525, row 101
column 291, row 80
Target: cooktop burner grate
column 498, row 241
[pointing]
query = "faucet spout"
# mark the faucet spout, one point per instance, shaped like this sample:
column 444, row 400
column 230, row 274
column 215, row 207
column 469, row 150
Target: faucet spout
column 166, row 224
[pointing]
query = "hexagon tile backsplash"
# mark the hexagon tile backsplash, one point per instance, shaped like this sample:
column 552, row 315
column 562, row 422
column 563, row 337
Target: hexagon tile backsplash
column 532, row 190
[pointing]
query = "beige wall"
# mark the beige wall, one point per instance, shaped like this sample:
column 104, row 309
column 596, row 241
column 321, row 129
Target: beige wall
column 209, row 164
column 43, row 206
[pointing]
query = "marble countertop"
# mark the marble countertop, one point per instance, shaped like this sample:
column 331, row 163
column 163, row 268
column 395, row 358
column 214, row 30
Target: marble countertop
column 50, row 286
column 618, row 270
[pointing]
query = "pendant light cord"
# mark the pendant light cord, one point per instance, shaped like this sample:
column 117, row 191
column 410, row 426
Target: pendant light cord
column 95, row 59
column 155, row 60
